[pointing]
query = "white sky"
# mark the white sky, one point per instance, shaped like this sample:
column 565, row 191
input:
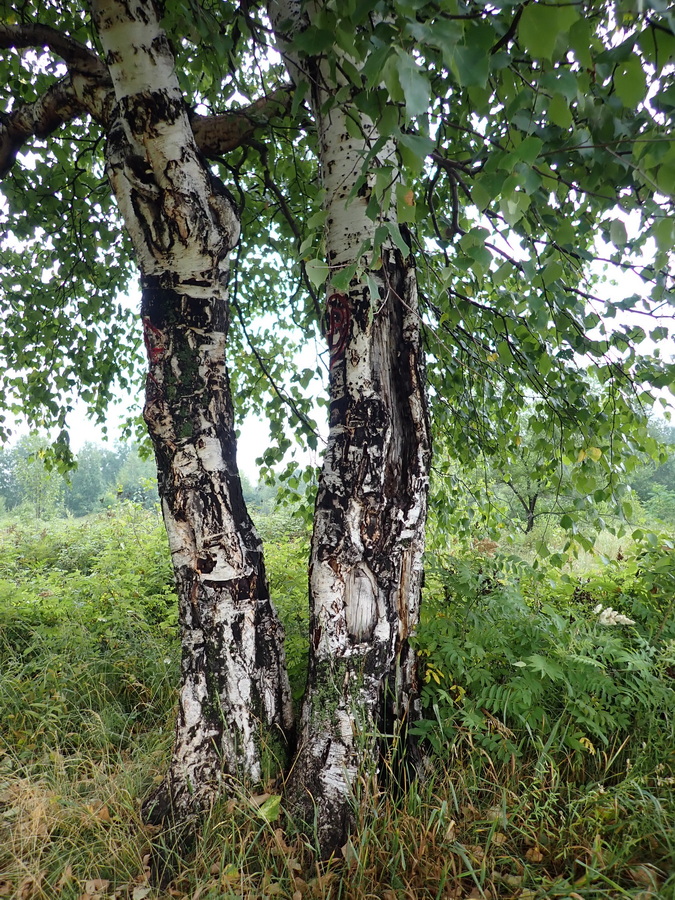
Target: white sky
column 253, row 439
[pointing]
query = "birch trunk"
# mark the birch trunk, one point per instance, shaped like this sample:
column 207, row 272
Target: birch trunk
column 368, row 539
column 183, row 224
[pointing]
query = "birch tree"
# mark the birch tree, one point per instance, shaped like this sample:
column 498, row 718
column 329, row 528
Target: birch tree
column 182, row 223
column 366, row 555
column 376, row 175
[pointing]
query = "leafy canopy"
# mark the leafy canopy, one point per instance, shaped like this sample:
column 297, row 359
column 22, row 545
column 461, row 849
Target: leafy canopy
column 537, row 170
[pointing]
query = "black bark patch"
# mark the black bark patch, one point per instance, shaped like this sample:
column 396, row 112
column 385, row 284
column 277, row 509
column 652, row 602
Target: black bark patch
column 236, row 631
column 159, row 304
column 206, row 564
column 145, row 111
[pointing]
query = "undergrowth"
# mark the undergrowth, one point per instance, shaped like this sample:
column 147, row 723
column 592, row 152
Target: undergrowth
column 551, row 764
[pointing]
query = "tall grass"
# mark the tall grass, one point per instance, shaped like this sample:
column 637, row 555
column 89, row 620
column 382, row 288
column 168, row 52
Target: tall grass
column 508, row 807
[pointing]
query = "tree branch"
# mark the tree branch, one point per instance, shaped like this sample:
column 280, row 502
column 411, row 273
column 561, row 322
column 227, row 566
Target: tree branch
column 77, row 56
column 58, row 105
column 217, row 135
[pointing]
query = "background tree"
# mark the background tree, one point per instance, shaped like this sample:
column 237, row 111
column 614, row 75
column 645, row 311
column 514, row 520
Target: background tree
column 85, row 493
column 41, row 488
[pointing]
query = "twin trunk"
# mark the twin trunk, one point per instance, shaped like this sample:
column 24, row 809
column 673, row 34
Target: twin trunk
column 366, row 559
column 371, row 507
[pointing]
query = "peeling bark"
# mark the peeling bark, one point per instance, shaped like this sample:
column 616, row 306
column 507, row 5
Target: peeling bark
column 234, row 689
column 368, row 539
column 366, row 561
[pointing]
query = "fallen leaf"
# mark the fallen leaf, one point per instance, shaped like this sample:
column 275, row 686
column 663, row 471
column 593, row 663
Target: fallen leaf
column 499, row 838
column 66, row 876
column 271, row 808
column 96, row 886
column 451, row 832
column 203, row 887
column 279, row 840
column 534, row 854
column 30, row 886
column 319, row 884
column 297, row 895
column 230, row 873
column 350, row 854
column 5, row 888
column 644, row 876
column 140, row 892
column 215, row 869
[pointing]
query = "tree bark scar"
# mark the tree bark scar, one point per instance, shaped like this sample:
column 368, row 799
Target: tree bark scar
column 154, row 340
column 339, row 320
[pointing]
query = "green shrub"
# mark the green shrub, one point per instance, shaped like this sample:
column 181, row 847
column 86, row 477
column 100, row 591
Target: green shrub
column 514, row 675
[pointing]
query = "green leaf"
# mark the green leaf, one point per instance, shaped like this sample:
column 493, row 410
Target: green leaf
column 418, row 144
column 471, row 67
column 397, row 238
column 529, row 149
column 630, row 82
column 480, row 196
column 559, row 112
column 406, row 211
column 505, row 354
column 271, row 808
column 581, row 43
column 664, row 233
column 617, row 233
column 317, row 271
column 342, row 279
column 545, row 666
column 538, row 30
column 414, row 84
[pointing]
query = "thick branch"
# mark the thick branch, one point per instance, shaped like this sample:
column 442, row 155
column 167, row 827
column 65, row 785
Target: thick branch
column 77, row 56
column 58, row 105
column 88, row 89
column 217, row 135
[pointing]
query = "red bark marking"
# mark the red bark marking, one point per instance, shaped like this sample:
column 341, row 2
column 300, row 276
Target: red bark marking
column 152, row 338
column 339, row 320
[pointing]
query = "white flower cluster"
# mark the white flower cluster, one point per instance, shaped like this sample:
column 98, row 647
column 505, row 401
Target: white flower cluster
column 609, row 616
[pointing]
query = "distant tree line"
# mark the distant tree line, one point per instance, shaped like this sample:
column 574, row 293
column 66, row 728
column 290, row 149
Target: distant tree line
column 103, row 476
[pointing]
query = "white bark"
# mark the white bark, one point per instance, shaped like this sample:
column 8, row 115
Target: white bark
column 183, row 224
column 366, row 558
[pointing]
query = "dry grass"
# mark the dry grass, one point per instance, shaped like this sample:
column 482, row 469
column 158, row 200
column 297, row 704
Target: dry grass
column 69, row 828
